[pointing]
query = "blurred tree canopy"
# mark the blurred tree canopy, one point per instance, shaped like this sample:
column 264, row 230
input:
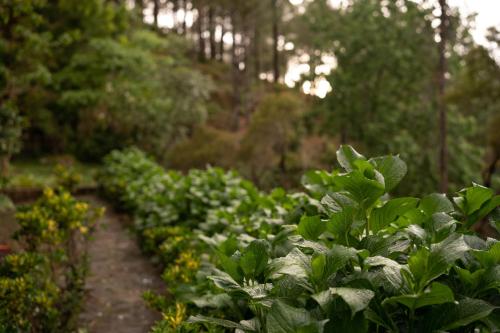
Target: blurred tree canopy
column 384, row 85
column 89, row 80
column 198, row 82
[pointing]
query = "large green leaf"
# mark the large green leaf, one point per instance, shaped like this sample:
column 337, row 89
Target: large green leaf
column 199, row 319
column 468, row 278
column 224, row 281
column 475, row 197
column 490, row 257
column 356, row 299
column 336, row 202
column 317, row 182
column 311, row 227
column 258, row 291
column 435, row 203
column 450, row 316
column 391, row 273
column 426, row 265
column 487, row 208
column 209, row 300
column 363, row 190
column 490, row 279
column 295, row 264
column 283, row 318
column 437, row 293
column 387, row 246
column 392, row 168
column 346, row 156
column 381, row 217
column 324, row 265
column 254, row 258
column 231, row 265
column 340, row 224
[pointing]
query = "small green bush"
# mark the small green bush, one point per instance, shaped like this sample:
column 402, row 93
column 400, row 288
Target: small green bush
column 40, row 288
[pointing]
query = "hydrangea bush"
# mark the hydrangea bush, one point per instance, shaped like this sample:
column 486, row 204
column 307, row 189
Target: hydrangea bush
column 346, row 256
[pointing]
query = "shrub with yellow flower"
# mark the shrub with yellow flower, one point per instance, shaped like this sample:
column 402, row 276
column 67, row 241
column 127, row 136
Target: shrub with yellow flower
column 54, row 231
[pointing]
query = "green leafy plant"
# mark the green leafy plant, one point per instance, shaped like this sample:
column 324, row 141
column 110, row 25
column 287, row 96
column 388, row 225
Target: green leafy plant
column 41, row 288
column 346, row 257
column 67, row 177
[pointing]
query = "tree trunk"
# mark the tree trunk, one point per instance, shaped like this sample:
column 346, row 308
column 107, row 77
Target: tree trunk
column 139, row 8
column 256, row 51
column 5, row 163
column 490, row 170
column 156, row 11
column 443, row 146
column 211, row 30
column 276, row 68
column 236, row 75
column 184, row 23
column 234, row 60
column 221, row 42
column 175, row 9
column 201, row 40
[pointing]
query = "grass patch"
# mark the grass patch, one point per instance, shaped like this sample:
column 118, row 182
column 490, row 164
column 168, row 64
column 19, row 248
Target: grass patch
column 36, row 173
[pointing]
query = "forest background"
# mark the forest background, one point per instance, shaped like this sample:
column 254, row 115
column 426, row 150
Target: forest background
column 212, row 85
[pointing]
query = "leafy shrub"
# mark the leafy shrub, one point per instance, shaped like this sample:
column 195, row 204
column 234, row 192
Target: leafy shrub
column 207, row 145
column 28, row 295
column 41, row 288
column 272, row 138
column 347, row 257
column 67, row 177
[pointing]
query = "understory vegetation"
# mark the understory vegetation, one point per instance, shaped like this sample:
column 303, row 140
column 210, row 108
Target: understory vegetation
column 344, row 256
column 85, row 77
column 41, row 286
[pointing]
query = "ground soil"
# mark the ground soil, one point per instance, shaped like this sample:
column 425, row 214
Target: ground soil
column 7, row 228
column 119, row 274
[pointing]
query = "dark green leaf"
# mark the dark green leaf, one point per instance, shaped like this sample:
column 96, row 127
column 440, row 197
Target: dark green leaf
column 381, row 217
column 450, row 316
column 219, row 322
column 435, row 203
column 437, row 293
column 254, row 258
column 392, row 168
column 283, row 318
column 363, row 190
column 346, row 156
column 356, row 299
column 311, row 227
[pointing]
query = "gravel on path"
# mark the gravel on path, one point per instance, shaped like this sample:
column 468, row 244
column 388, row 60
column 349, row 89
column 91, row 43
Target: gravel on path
column 119, row 274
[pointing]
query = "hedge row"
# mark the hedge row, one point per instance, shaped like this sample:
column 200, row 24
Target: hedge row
column 345, row 257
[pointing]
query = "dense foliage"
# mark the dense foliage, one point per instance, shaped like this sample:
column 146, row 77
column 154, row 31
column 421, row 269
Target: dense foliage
column 90, row 76
column 41, row 287
column 348, row 256
column 373, row 105
column 88, row 79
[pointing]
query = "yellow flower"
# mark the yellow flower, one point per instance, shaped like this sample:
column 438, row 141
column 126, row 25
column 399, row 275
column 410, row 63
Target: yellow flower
column 75, row 224
column 51, row 225
column 175, row 320
column 84, row 230
column 81, row 206
column 48, row 192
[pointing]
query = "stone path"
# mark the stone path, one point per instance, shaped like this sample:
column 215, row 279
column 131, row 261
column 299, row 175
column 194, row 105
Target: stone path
column 119, row 274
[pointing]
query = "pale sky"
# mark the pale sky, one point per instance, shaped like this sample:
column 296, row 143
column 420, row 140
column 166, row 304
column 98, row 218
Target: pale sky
column 488, row 14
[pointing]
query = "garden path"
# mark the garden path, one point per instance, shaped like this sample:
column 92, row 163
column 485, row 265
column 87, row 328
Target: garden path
column 119, row 274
